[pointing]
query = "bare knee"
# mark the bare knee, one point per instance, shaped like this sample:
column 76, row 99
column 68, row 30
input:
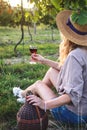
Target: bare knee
column 38, row 82
column 37, row 86
column 50, row 78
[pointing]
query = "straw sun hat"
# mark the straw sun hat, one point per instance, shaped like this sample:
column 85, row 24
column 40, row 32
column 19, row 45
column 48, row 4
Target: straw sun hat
column 72, row 31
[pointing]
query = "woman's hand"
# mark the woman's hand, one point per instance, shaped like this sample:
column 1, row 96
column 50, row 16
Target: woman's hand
column 36, row 101
column 37, row 58
column 42, row 60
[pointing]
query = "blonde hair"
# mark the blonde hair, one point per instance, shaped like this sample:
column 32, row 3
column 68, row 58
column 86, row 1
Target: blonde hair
column 66, row 47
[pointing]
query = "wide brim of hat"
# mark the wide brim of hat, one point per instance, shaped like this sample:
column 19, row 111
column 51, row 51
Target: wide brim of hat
column 61, row 21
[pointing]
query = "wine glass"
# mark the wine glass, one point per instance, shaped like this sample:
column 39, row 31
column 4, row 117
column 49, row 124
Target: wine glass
column 33, row 50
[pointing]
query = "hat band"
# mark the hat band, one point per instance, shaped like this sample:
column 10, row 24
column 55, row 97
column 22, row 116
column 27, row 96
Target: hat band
column 74, row 29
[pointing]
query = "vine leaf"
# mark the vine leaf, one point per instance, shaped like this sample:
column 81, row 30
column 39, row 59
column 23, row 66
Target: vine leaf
column 79, row 17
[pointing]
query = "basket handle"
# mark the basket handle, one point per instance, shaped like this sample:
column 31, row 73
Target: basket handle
column 37, row 109
column 38, row 113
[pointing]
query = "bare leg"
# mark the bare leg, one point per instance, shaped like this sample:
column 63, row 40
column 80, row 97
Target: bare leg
column 44, row 91
column 50, row 78
column 42, row 88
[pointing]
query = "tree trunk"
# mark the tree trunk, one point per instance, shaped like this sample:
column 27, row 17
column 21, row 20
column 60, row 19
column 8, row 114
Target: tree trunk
column 22, row 37
column 34, row 28
column 30, row 33
column 22, row 29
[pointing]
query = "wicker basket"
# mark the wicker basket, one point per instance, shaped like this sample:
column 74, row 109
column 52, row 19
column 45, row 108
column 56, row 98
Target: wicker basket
column 31, row 117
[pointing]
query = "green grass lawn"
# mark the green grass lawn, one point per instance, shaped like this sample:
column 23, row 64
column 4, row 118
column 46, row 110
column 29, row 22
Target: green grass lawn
column 13, row 35
column 9, row 37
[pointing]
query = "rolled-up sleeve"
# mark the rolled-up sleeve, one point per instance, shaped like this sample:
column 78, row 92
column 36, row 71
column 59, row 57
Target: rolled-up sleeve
column 72, row 79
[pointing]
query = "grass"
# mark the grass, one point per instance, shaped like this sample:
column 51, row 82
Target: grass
column 10, row 36
column 7, row 51
column 13, row 35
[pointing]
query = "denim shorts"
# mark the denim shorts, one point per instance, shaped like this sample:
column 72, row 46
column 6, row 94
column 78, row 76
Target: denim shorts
column 64, row 115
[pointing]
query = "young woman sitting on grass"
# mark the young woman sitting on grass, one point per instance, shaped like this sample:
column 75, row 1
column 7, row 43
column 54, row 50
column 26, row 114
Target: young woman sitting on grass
column 68, row 77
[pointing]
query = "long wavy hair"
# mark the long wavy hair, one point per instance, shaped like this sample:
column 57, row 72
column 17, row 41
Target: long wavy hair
column 66, row 47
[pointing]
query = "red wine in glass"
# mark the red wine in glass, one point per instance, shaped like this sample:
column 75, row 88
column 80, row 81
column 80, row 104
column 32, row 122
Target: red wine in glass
column 33, row 49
